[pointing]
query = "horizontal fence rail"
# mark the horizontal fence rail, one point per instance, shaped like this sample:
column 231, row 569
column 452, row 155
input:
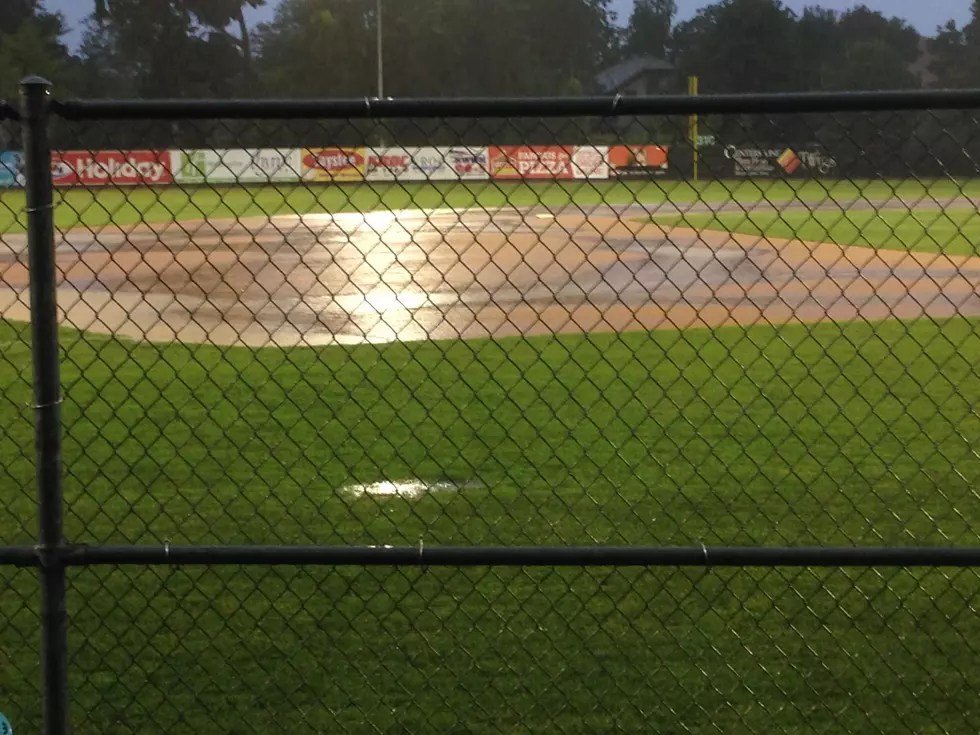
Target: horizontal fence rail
column 619, row 105
column 567, row 415
column 529, row 556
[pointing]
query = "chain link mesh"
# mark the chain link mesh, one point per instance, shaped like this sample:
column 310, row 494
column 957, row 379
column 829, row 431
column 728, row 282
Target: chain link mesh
column 518, row 332
column 16, row 442
column 19, row 620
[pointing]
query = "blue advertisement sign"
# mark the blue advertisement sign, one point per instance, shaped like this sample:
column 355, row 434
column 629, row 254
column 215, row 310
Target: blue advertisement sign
column 11, row 168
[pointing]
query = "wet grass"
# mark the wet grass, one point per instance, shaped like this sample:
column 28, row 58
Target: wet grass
column 953, row 231
column 100, row 207
column 836, row 434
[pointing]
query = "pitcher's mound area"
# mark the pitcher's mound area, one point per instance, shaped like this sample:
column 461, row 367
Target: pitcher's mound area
column 325, row 279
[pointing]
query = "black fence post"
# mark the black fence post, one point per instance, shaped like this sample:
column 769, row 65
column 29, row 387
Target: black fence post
column 47, row 400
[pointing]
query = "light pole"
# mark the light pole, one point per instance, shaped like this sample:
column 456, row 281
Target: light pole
column 381, row 67
column 695, row 132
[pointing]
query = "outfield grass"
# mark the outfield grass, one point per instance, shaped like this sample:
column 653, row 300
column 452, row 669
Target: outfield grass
column 951, row 231
column 100, row 207
column 836, row 434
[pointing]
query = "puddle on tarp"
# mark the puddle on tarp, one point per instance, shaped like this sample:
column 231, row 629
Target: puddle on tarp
column 409, row 489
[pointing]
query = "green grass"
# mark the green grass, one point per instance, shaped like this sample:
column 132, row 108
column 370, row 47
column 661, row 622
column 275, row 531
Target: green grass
column 951, row 231
column 100, row 207
column 836, row 434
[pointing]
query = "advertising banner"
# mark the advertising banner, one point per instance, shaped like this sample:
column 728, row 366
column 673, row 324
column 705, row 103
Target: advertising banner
column 11, row 169
column 531, row 162
column 407, row 164
column 388, row 164
column 234, row 165
column 468, row 163
column 591, row 162
column 638, row 161
column 426, row 164
column 751, row 162
column 111, row 168
column 333, row 164
column 778, row 161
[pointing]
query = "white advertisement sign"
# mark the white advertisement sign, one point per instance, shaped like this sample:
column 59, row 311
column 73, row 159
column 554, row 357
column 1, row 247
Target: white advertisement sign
column 406, row 164
column 425, row 164
column 468, row 163
column 753, row 161
column 591, row 162
column 236, row 165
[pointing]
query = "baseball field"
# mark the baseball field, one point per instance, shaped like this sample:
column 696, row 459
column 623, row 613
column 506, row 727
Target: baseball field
column 663, row 364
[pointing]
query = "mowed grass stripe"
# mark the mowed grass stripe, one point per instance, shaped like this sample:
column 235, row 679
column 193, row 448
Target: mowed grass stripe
column 856, row 433
column 954, row 231
column 832, row 434
column 98, row 207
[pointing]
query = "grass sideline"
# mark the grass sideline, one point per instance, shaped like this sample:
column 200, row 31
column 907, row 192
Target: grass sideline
column 833, row 434
column 950, row 231
column 100, row 207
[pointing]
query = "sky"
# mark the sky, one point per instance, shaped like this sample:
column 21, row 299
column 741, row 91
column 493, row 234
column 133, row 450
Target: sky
column 925, row 15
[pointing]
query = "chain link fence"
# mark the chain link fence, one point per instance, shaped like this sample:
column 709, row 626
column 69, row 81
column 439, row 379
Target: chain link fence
column 490, row 416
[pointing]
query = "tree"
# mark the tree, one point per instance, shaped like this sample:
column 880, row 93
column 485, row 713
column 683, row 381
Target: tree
column 178, row 47
column 436, row 47
column 648, row 31
column 30, row 43
column 101, row 73
column 16, row 13
column 873, row 64
column 26, row 51
column 819, row 45
column 957, row 52
column 863, row 25
column 152, row 38
column 317, row 48
column 738, row 46
column 860, row 49
column 220, row 14
column 762, row 46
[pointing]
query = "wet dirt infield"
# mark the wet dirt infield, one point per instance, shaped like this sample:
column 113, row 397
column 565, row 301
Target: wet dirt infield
column 323, row 279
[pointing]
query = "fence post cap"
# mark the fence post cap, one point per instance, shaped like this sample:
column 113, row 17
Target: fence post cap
column 34, row 81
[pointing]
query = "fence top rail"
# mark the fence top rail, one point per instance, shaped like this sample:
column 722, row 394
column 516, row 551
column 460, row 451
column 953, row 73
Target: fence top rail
column 503, row 107
column 524, row 556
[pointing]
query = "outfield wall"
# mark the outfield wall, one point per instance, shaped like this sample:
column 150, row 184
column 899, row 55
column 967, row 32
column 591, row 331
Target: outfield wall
column 344, row 165
column 341, row 164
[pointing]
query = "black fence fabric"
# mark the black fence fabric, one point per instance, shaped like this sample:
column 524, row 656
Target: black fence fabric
column 490, row 415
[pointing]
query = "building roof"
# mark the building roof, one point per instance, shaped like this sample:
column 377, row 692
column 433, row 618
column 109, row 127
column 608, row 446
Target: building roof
column 626, row 71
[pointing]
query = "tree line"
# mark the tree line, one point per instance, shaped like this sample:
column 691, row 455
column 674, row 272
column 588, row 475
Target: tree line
column 326, row 48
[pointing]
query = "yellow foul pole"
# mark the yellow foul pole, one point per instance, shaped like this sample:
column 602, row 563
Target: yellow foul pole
column 692, row 89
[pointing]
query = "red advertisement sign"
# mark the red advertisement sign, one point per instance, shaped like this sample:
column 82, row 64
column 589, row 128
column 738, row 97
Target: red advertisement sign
column 638, row 161
column 333, row 164
column 395, row 162
column 531, row 162
column 111, row 168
